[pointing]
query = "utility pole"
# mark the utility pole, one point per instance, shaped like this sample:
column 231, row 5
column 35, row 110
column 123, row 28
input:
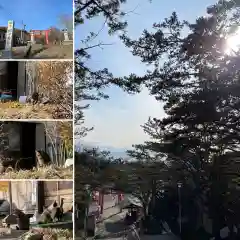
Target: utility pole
column 179, row 186
column 23, row 31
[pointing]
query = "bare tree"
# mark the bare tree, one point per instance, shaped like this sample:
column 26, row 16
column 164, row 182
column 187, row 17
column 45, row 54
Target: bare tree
column 66, row 22
column 56, row 36
column 60, row 135
column 54, row 80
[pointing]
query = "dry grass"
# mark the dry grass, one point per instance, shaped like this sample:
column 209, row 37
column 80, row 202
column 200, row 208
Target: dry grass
column 48, row 172
column 56, row 52
column 16, row 110
column 49, row 233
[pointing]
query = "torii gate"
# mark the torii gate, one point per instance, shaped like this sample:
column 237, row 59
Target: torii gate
column 40, row 33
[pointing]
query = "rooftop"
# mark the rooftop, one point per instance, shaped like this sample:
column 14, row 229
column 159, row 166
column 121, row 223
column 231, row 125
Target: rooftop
column 3, row 28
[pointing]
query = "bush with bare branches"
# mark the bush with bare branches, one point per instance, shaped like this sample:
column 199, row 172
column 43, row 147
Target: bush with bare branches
column 56, row 36
column 53, row 80
column 60, row 134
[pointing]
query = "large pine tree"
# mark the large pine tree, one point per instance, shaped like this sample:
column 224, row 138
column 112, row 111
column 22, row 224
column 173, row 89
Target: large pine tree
column 199, row 82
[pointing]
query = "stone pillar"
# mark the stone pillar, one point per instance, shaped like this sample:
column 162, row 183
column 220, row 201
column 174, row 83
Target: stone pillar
column 66, row 37
column 7, row 53
column 9, row 36
column 21, row 86
column 32, row 37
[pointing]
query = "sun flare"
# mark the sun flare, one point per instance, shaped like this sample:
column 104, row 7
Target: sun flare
column 233, row 42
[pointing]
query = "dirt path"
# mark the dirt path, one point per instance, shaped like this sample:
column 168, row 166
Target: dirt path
column 56, row 52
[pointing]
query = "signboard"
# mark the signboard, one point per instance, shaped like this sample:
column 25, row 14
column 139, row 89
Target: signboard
column 4, row 186
column 9, row 35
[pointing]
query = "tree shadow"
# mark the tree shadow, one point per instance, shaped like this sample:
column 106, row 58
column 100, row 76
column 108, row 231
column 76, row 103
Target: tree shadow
column 115, row 227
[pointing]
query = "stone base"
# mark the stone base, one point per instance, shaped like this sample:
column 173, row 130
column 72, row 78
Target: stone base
column 6, row 54
column 68, row 42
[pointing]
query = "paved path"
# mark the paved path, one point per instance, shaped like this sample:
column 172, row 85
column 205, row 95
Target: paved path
column 111, row 228
column 149, row 237
column 167, row 236
column 56, row 52
column 112, row 225
column 20, row 51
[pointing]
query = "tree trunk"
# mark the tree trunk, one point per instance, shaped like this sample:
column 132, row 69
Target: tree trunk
column 145, row 210
column 216, row 228
column 154, row 193
column 238, row 231
column 231, row 234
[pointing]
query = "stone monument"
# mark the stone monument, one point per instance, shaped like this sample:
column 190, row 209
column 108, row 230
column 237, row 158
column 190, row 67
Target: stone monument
column 7, row 53
column 66, row 36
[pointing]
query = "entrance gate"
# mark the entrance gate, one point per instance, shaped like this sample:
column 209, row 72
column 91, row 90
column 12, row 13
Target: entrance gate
column 40, row 33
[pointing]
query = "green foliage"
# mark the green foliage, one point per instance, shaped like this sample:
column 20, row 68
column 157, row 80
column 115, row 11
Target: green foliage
column 199, row 84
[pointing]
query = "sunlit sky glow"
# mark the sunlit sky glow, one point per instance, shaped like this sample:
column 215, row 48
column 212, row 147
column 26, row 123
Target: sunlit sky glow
column 117, row 121
column 233, row 42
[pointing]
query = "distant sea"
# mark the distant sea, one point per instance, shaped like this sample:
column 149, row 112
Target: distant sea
column 116, row 152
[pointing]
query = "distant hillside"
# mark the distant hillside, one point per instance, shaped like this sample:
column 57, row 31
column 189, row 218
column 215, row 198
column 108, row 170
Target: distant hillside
column 116, row 152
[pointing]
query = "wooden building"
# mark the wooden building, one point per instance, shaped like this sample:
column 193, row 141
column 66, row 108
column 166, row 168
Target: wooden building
column 30, row 196
column 16, row 38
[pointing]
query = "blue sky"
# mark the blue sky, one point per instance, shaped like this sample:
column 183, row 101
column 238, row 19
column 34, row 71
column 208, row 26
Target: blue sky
column 117, row 120
column 36, row 14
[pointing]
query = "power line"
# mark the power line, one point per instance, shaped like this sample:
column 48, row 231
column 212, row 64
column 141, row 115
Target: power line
column 23, row 31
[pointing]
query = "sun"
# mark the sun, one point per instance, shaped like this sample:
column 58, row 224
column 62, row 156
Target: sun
column 233, row 42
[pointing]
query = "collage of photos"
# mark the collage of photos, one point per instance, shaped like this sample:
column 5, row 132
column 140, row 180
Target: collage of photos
column 119, row 120
column 36, row 120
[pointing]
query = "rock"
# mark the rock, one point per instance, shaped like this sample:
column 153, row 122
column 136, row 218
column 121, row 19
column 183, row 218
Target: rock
column 45, row 100
column 50, row 237
column 68, row 162
column 33, row 236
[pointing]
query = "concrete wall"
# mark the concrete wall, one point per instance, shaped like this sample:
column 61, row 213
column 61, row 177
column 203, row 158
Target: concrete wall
column 14, row 136
column 3, row 68
column 22, row 89
column 56, row 190
column 3, row 74
column 22, row 193
column 40, row 137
